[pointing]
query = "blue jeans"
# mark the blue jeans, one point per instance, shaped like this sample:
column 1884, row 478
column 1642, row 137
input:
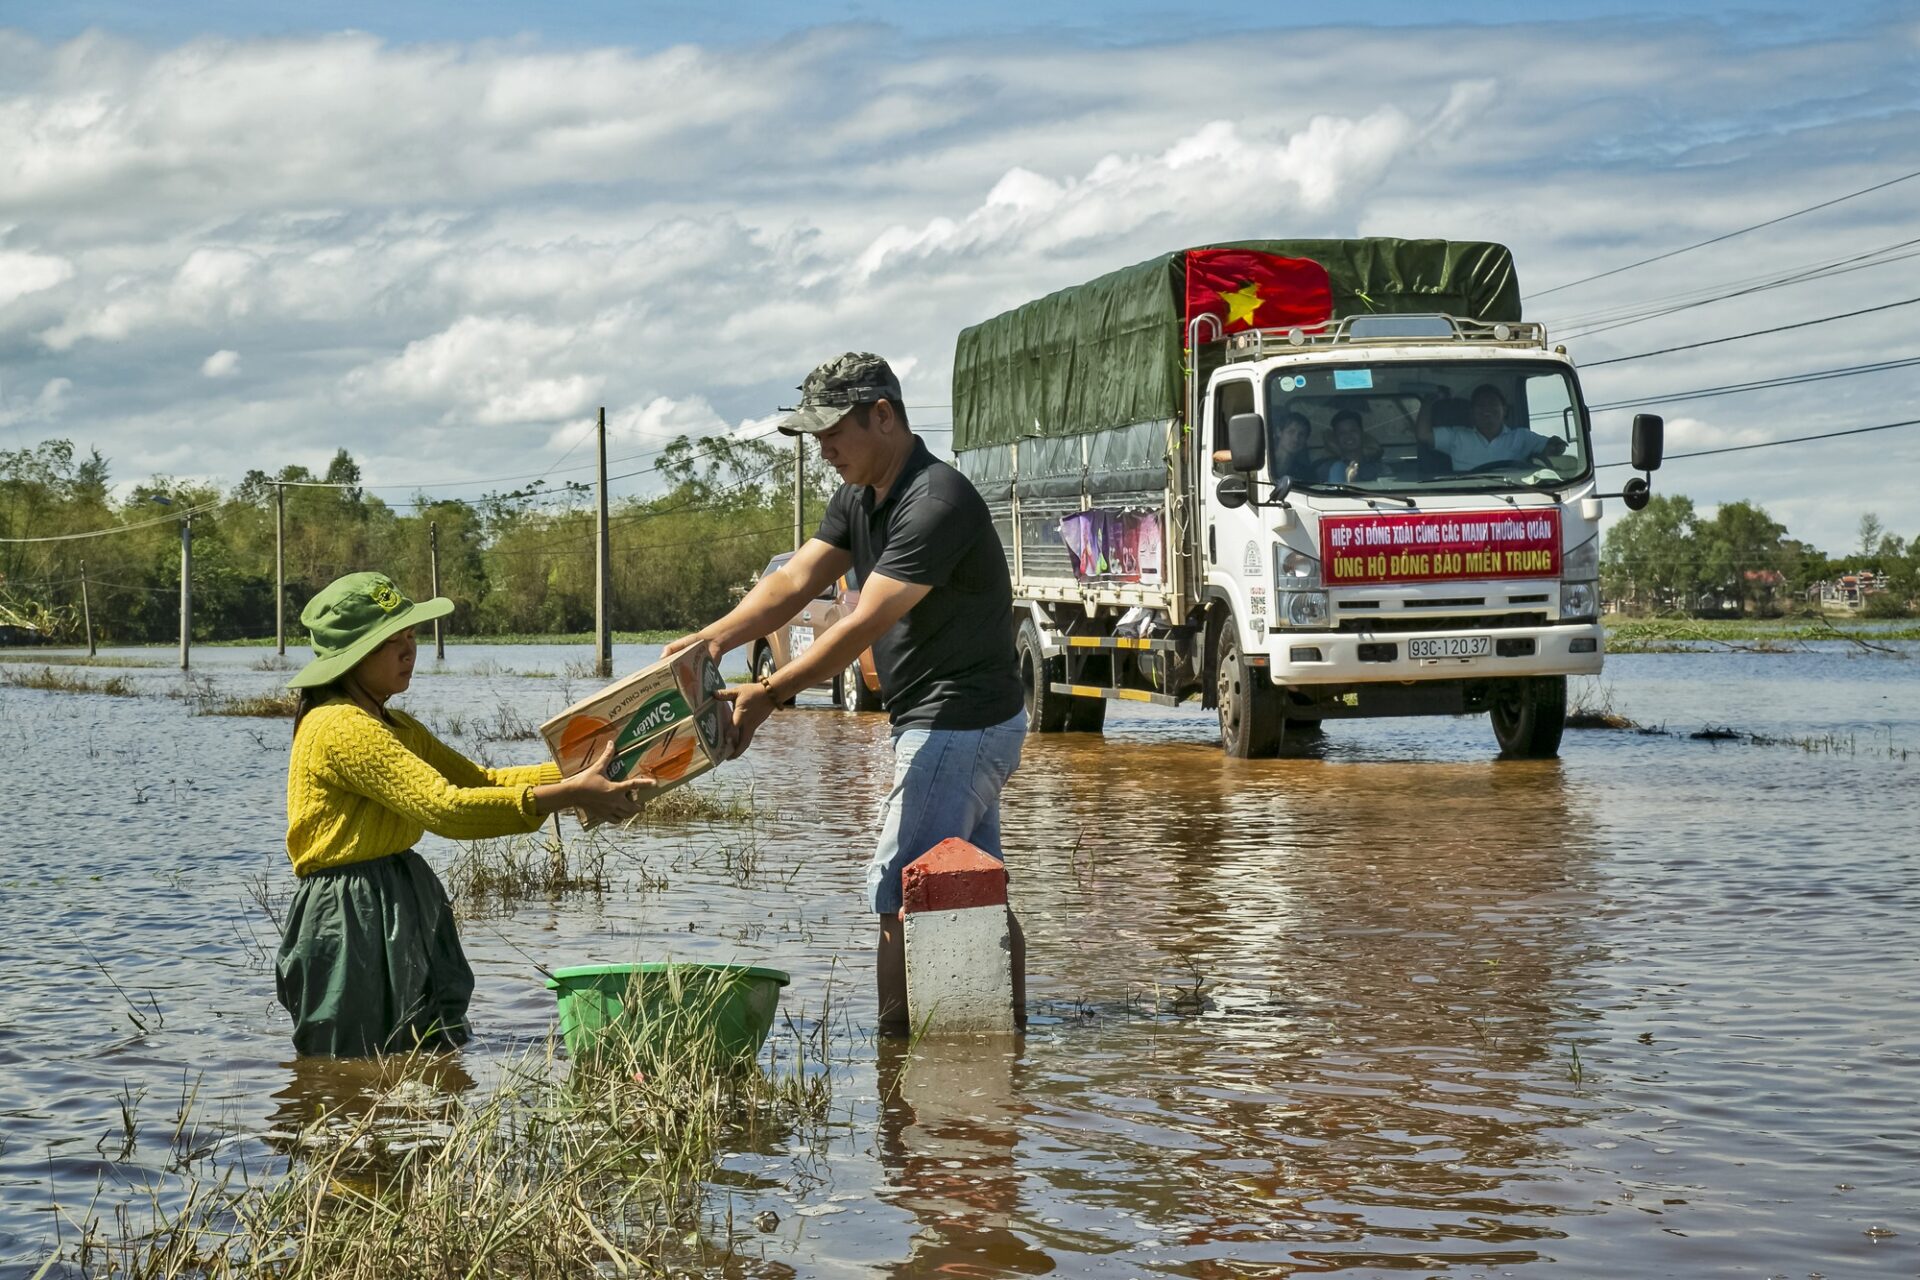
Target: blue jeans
column 946, row 782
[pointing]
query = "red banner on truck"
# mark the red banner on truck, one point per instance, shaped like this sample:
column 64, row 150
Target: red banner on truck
column 1362, row 550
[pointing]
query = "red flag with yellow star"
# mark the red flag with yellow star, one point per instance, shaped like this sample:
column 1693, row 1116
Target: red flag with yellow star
column 1252, row 290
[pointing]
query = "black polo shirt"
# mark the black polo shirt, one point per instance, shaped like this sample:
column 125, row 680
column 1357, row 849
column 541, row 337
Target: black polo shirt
column 949, row 664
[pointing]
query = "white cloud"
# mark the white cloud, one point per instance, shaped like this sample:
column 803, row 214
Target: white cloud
column 23, row 273
column 493, row 370
column 43, row 408
column 445, row 257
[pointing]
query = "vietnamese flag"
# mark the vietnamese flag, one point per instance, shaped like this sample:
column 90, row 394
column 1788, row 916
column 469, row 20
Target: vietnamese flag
column 1248, row 289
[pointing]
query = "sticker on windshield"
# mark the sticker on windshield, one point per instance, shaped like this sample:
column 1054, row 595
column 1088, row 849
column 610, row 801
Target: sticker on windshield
column 1289, row 382
column 1353, row 379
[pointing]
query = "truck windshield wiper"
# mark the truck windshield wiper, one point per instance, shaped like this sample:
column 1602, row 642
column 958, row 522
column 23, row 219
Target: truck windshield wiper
column 1328, row 486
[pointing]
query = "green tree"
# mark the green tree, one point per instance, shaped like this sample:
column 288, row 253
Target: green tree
column 1651, row 557
column 1743, row 557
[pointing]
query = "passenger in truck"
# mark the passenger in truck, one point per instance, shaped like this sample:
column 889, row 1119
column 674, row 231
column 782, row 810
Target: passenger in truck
column 1291, row 456
column 1355, row 457
column 1489, row 440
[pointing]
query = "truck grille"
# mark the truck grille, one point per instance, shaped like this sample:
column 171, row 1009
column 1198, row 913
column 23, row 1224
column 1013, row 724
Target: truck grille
column 1444, row 622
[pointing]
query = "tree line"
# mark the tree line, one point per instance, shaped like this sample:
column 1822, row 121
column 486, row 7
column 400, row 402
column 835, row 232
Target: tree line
column 513, row 562
column 522, row 561
column 1668, row 558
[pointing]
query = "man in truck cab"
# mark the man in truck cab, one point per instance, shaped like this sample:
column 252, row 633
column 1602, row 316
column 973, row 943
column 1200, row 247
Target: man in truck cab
column 1489, row 439
column 935, row 601
column 1355, row 457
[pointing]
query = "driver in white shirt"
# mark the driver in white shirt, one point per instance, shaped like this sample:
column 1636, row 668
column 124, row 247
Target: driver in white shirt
column 1489, row 439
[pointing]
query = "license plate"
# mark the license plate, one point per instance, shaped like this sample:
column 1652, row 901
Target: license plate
column 799, row 640
column 1451, row 647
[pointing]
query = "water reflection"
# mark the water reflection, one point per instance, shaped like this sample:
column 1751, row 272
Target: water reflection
column 949, row 1128
column 1339, row 1024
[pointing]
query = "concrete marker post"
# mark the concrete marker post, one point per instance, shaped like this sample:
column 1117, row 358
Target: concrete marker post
column 958, row 942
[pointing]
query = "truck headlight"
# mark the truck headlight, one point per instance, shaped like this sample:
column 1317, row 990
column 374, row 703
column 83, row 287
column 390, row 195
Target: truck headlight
column 1294, row 570
column 1305, row 608
column 1577, row 599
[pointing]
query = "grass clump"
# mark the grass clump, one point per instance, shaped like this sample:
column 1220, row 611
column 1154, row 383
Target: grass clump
column 48, row 680
column 686, row 805
column 1592, row 708
column 74, row 660
column 495, row 875
column 280, row 705
column 607, row 1167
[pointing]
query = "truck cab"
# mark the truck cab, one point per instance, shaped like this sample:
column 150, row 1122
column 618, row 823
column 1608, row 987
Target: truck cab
column 1399, row 519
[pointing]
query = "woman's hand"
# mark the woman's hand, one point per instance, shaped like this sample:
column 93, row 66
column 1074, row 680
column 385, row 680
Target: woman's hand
column 599, row 796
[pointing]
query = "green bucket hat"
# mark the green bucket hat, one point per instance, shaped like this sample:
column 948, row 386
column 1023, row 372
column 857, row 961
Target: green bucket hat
column 353, row 616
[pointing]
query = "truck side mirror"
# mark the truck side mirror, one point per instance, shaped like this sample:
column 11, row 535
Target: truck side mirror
column 1247, row 441
column 1649, row 441
column 1233, row 492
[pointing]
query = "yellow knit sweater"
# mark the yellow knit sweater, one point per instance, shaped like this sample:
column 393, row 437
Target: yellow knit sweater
column 360, row 788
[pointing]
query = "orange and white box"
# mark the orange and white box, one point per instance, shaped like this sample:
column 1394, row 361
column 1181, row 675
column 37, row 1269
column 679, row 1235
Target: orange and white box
column 663, row 720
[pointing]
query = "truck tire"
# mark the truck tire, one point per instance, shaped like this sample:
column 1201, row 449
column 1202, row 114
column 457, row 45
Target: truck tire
column 1046, row 710
column 1253, row 714
column 1528, row 717
column 1086, row 715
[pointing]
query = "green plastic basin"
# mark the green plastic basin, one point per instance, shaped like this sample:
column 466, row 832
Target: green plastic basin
column 667, row 1008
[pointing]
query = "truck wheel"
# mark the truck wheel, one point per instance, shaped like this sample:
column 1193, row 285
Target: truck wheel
column 763, row 668
column 1046, row 710
column 1252, row 713
column 850, row 690
column 1528, row 717
column 1086, row 715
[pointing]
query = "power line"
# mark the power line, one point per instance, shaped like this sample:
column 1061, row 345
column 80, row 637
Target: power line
column 1770, row 444
column 1770, row 222
column 1843, row 266
column 1759, row 384
column 169, row 518
column 1756, row 333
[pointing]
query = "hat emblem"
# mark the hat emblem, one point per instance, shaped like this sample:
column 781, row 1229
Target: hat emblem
column 387, row 596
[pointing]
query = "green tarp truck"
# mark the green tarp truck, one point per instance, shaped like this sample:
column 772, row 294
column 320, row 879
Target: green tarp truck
column 1296, row 480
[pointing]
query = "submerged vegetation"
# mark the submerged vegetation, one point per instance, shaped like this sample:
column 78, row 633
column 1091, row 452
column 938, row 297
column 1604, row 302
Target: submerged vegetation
column 49, row 680
column 604, row 1167
column 1786, row 635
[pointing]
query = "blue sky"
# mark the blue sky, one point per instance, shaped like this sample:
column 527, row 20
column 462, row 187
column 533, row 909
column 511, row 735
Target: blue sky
column 441, row 236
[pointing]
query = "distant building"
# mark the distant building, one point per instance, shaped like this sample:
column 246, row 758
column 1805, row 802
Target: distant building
column 1847, row 593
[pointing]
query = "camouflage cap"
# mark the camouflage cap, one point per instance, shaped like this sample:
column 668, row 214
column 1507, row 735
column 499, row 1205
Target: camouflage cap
column 839, row 386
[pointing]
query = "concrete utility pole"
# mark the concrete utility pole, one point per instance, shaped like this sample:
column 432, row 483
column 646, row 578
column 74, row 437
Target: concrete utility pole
column 799, row 491
column 603, row 575
column 280, row 568
column 186, row 588
column 86, row 608
column 433, row 571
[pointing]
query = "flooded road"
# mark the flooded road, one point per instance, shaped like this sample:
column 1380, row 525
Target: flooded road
column 1385, row 1007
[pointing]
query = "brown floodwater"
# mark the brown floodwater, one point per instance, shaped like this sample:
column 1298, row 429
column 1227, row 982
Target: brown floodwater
column 1387, row 1006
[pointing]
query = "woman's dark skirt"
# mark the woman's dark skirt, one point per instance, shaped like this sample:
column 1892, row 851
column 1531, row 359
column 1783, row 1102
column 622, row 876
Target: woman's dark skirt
column 371, row 962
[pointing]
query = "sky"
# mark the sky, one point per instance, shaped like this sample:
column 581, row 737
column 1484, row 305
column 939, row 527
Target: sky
column 442, row 236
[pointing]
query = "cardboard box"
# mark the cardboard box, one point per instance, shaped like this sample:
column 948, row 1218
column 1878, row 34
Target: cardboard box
column 663, row 720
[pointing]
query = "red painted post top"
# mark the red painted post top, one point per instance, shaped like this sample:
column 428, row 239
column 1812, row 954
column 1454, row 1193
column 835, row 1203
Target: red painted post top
column 951, row 875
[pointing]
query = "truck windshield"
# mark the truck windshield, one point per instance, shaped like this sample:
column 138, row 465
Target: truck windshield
column 1406, row 427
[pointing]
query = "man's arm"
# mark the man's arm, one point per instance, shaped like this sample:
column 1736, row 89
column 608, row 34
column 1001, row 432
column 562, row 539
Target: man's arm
column 775, row 598
column 883, row 602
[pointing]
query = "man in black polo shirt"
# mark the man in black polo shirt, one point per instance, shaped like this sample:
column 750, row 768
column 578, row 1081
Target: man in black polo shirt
column 936, row 605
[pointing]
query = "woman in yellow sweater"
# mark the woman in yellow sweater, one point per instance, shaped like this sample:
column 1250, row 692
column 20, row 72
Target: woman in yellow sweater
column 370, row 961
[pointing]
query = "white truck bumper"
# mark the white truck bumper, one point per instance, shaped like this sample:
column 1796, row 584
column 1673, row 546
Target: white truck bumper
column 1365, row 657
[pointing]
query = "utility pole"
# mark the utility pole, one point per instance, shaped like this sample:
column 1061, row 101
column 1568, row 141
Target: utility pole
column 603, row 565
column 799, row 491
column 186, row 588
column 86, row 608
column 433, row 571
column 280, row 568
